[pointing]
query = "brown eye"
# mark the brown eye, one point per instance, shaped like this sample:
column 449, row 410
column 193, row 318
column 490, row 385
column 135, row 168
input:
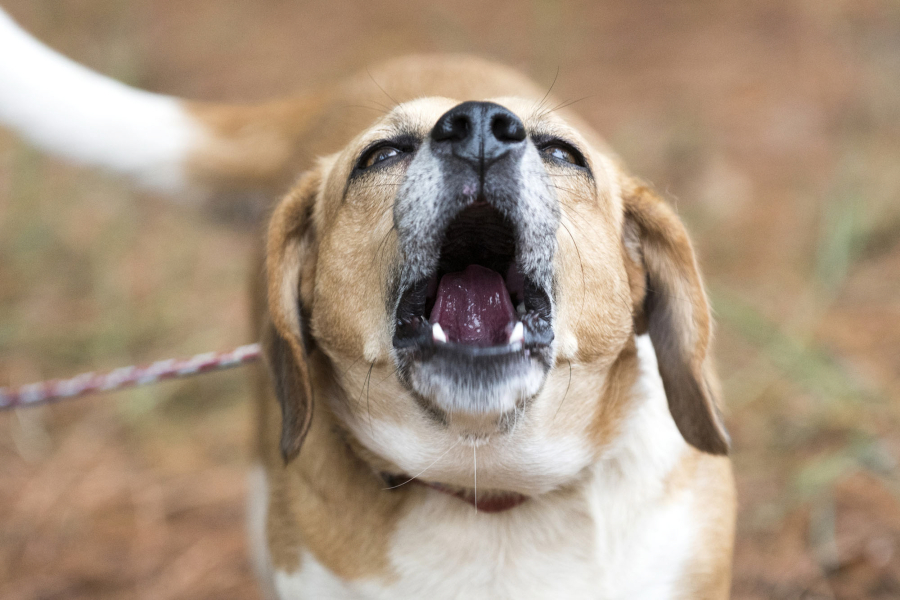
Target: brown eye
column 560, row 153
column 379, row 155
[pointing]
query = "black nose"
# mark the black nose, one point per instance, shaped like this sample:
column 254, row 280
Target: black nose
column 478, row 132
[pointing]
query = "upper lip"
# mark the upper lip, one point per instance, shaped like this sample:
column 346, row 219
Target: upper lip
column 478, row 235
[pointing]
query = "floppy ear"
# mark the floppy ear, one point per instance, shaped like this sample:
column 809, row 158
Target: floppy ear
column 671, row 305
column 290, row 253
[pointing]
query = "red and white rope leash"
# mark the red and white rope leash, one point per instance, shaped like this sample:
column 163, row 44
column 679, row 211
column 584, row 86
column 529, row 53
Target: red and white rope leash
column 86, row 383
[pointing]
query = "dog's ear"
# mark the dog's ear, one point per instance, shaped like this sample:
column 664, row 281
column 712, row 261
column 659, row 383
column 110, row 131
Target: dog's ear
column 290, row 268
column 671, row 305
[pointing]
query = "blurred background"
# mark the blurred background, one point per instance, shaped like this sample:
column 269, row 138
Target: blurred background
column 772, row 126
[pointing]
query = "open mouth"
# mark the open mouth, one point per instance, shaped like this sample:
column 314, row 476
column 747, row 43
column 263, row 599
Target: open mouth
column 477, row 302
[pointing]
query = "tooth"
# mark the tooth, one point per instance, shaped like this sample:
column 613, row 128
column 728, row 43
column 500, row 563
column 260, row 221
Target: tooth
column 437, row 333
column 518, row 333
column 521, row 308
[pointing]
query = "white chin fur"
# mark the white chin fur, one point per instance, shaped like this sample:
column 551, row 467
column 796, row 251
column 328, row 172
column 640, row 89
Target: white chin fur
column 476, row 400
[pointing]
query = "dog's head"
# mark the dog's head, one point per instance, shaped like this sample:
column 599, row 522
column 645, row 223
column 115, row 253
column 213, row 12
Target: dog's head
column 472, row 274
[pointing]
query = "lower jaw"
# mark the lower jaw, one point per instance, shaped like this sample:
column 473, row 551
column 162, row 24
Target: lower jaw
column 474, row 390
column 475, row 425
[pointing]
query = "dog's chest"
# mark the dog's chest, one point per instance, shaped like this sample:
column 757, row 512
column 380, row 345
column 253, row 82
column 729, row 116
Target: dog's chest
column 573, row 551
column 619, row 536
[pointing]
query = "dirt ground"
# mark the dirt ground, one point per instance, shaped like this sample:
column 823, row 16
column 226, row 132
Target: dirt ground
column 773, row 126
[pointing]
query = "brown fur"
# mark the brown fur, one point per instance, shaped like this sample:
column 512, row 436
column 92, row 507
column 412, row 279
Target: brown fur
column 325, row 329
column 711, row 478
column 332, row 503
column 677, row 317
column 616, row 397
column 266, row 145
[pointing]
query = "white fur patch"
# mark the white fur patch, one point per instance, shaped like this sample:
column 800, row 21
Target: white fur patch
column 643, row 542
column 315, row 581
column 257, row 512
column 72, row 111
column 617, row 538
column 528, row 460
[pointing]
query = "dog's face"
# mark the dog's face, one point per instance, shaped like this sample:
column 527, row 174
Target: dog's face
column 473, row 274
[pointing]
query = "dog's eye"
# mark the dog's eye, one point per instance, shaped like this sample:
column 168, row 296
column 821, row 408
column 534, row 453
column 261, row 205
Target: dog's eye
column 377, row 155
column 561, row 153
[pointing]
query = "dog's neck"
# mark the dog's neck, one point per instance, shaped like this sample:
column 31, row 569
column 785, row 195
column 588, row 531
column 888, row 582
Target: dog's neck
column 488, row 501
column 491, row 501
column 639, row 357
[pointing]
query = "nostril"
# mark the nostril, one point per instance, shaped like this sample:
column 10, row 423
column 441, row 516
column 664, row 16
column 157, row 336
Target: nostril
column 461, row 127
column 452, row 128
column 506, row 127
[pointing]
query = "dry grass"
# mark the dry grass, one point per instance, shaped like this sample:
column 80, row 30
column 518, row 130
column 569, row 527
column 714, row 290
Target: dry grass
column 772, row 127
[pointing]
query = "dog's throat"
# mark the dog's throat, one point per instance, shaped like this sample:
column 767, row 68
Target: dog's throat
column 491, row 502
column 474, row 307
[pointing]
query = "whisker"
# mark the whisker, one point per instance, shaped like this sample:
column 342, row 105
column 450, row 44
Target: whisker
column 389, row 375
column 353, row 364
column 563, row 189
column 381, row 184
column 550, row 89
column 396, row 104
column 581, row 265
column 564, row 104
column 568, row 385
column 363, row 389
column 368, row 387
column 475, row 457
column 383, row 109
column 379, row 252
column 422, row 472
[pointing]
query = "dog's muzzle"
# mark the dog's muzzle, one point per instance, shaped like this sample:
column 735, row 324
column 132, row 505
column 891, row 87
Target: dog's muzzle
column 476, row 219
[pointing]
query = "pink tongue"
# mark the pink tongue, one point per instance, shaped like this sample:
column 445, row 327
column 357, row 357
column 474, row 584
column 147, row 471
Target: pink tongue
column 473, row 307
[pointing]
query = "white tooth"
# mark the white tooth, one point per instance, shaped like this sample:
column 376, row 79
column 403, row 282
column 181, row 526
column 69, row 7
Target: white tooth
column 518, row 333
column 437, row 334
column 521, row 308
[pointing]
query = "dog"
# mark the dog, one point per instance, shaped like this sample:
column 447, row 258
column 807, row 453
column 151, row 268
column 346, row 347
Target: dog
column 487, row 369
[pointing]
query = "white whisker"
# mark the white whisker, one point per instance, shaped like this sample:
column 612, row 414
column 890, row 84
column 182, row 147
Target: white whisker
column 475, row 456
column 422, row 472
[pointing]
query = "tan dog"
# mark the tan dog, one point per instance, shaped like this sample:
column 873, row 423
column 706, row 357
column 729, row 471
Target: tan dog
column 487, row 344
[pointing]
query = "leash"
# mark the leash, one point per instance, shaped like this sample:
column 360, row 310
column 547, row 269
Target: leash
column 45, row 392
